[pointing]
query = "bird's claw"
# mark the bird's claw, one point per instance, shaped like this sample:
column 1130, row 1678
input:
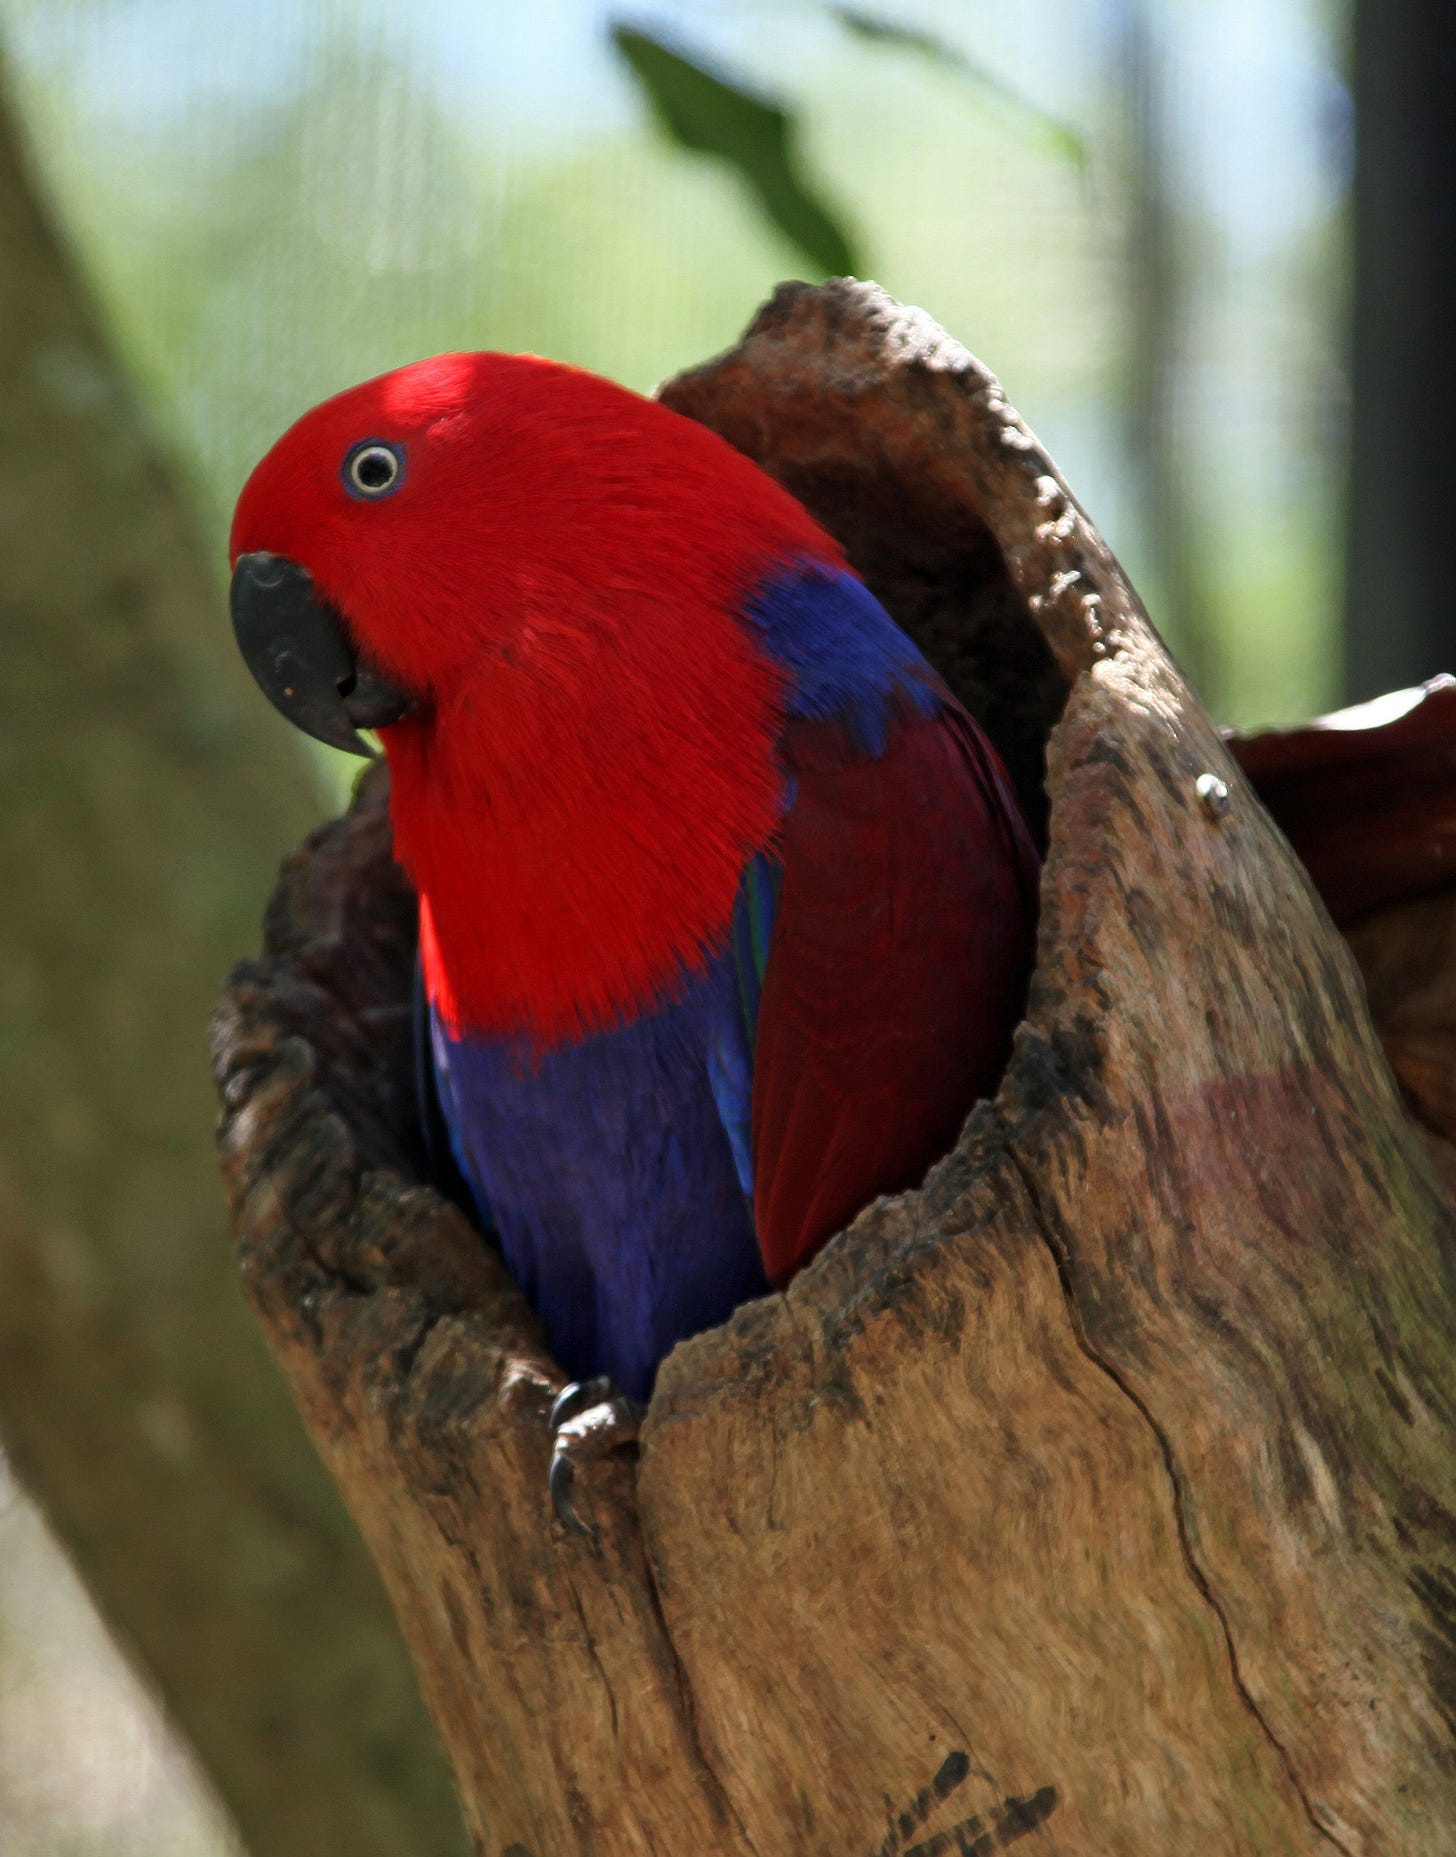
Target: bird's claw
column 589, row 1419
column 577, row 1398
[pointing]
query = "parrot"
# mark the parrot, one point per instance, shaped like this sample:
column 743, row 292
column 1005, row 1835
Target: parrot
column 726, row 906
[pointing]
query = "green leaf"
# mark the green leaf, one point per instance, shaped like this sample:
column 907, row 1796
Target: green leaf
column 710, row 114
column 1059, row 136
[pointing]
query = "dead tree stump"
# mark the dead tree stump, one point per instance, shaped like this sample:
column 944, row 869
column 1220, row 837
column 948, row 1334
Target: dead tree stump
column 1098, row 1497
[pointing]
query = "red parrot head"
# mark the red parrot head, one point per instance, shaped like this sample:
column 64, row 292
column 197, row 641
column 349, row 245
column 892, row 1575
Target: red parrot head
column 473, row 510
column 532, row 581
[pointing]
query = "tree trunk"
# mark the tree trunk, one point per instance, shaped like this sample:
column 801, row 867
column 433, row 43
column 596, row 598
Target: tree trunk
column 1100, row 1495
column 147, row 799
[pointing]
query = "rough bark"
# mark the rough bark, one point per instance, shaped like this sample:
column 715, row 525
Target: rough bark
column 146, row 803
column 1097, row 1497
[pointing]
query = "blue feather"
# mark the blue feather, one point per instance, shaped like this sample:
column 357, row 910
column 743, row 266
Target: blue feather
column 730, row 1059
column 611, row 1177
column 846, row 658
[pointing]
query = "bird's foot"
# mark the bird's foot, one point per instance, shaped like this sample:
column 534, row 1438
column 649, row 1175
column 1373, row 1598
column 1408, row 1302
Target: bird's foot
column 589, row 1419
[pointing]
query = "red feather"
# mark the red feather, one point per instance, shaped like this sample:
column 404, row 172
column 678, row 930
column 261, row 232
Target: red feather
column 896, row 972
column 594, row 759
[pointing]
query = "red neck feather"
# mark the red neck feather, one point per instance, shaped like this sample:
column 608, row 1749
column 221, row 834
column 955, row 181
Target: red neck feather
column 574, row 859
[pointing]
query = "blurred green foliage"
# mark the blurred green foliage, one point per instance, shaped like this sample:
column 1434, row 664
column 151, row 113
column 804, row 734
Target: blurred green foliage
column 276, row 204
column 709, row 114
column 258, row 255
column 1060, row 137
column 263, row 240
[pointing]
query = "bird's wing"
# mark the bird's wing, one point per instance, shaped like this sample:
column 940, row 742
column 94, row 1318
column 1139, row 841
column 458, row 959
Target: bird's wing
column 902, row 925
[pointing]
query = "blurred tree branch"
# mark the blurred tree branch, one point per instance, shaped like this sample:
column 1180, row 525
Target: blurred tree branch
column 148, row 801
column 1398, row 625
column 1156, row 317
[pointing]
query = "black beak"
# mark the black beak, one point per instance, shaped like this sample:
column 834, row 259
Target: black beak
column 297, row 649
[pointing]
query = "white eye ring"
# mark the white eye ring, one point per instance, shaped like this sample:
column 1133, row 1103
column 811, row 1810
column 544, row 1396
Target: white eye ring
column 373, row 469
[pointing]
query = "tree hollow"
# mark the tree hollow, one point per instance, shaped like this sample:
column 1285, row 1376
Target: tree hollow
column 1100, row 1493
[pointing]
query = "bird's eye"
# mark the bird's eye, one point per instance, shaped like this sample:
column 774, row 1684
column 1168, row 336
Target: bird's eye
column 373, row 469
